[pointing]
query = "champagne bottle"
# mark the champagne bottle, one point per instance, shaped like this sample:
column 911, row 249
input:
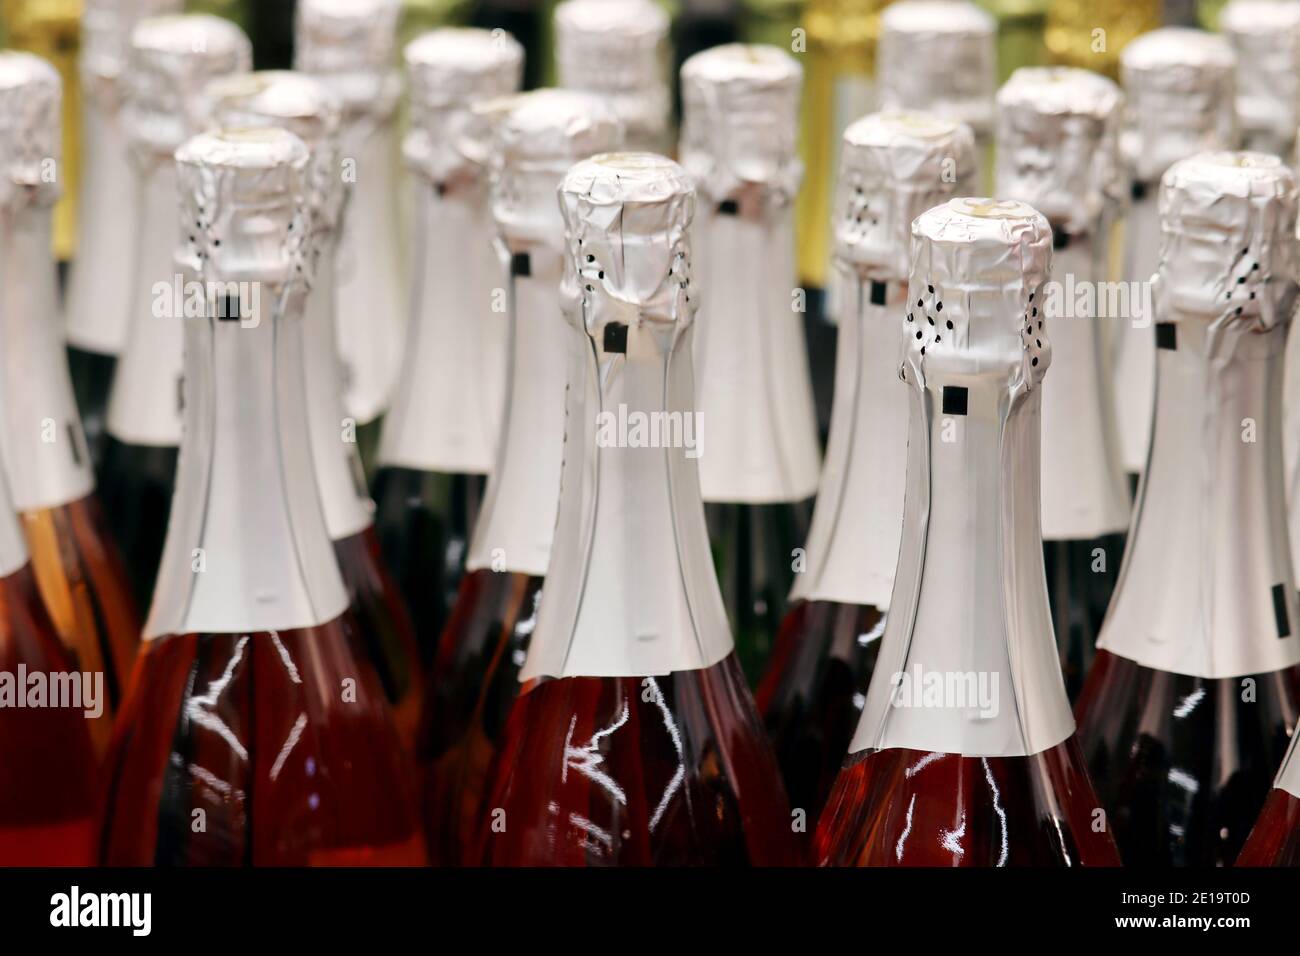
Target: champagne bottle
column 170, row 60
column 759, row 458
column 310, row 110
column 439, row 439
column 1058, row 150
column 99, row 288
column 965, row 754
column 893, row 166
column 1265, row 36
column 46, row 755
column 475, row 675
column 349, row 46
column 1179, row 89
column 252, row 708
column 940, row 57
column 1275, row 838
column 619, row 49
column 1194, row 693
column 634, row 740
column 78, row 571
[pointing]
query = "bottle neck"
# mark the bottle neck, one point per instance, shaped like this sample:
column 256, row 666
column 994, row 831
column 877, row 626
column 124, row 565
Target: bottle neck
column 853, row 542
column 1084, row 491
column 631, row 589
column 517, row 523
column 1210, row 531
column 246, row 549
column 968, row 663
column 751, row 363
column 45, row 451
column 447, row 411
column 144, row 405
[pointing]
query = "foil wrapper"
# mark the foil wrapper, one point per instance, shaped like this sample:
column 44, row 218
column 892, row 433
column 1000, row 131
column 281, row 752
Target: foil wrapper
column 1229, row 250
column 350, row 44
column 895, row 165
column 31, row 140
column 448, row 71
column 106, row 38
column 1179, row 90
column 1266, row 39
column 740, row 121
column 171, row 60
column 939, row 56
column 619, row 49
column 1058, row 144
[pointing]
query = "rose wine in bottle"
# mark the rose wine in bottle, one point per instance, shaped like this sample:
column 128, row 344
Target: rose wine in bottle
column 99, row 289
column 310, row 110
column 77, row 569
column 475, row 675
column 892, row 167
column 1178, row 84
column 965, row 754
column 349, row 45
column 170, row 60
column 252, row 708
column 635, row 740
column 1275, row 838
column 1068, row 119
column 759, row 457
column 440, row 437
column 1187, row 711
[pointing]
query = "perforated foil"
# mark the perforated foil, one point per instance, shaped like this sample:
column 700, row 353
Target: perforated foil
column 351, row 44
column 1179, row 90
column 1266, row 38
column 939, row 56
column 1058, row 144
column 619, row 49
column 31, row 141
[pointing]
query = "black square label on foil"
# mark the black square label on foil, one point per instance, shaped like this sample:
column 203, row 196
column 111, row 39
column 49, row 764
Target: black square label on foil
column 954, row 400
column 877, row 293
column 1166, row 336
column 616, row 337
column 520, row 264
column 1279, row 611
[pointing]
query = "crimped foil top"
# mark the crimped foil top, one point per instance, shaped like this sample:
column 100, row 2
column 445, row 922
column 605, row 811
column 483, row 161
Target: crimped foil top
column 1229, row 249
column 1058, row 143
column 350, row 45
column 1178, row 85
column 298, row 103
column 448, row 72
column 31, row 140
column 243, row 207
column 172, row 58
column 1266, row 37
column 626, row 221
column 939, row 56
column 740, row 119
column 106, row 34
column 974, row 302
column 540, row 135
column 894, row 165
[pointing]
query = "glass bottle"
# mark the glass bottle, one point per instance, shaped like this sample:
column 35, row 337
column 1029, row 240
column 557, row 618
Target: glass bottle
column 759, row 469
column 77, row 569
column 441, row 435
column 310, row 110
column 966, row 754
column 252, row 710
column 893, row 167
column 170, row 60
column 1265, row 36
column 1058, row 150
column 1188, row 708
column 619, row 49
column 475, row 675
column 634, row 740
column 350, row 45
column 1275, row 838
column 1092, row 34
column 98, row 287
column 1178, row 86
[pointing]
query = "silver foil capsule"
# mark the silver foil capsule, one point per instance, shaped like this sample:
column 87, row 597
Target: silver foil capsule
column 446, row 414
column 619, row 49
column 893, row 167
column 245, row 501
column 1206, row 587
column 1266, row 39
column 631, row 589
column 969, row 602
column 740, row 117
